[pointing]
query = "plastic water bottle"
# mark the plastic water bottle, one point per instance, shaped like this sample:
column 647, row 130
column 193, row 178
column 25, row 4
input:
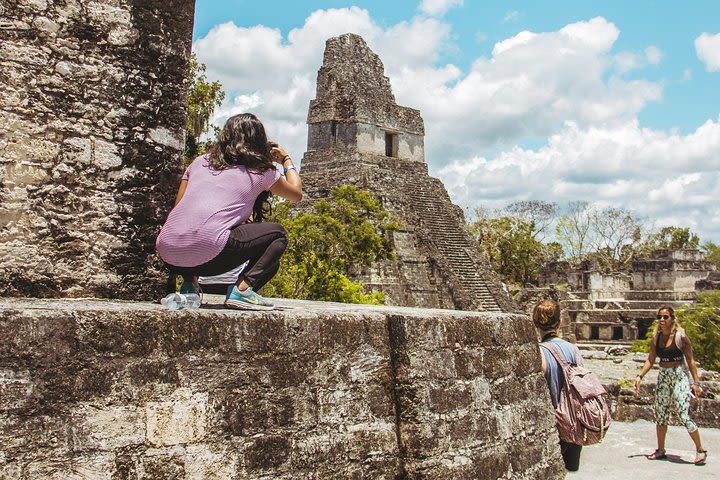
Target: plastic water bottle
column 174, row 301
column 192, row 300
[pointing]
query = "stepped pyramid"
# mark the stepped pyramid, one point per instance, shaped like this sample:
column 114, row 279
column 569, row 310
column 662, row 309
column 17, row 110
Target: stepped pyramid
column 359, row 136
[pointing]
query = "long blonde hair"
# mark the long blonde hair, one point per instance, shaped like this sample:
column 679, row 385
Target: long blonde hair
column 676, row 327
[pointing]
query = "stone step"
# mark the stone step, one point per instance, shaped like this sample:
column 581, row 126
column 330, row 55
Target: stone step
column 660, row 295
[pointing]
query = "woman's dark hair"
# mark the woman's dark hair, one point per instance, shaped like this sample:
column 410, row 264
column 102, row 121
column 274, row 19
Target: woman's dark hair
column 242, row 141
column 262, row 208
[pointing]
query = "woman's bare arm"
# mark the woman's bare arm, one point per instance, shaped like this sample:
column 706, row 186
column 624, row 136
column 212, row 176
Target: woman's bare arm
column 181, row 191
column 290, row 186
column 646, row 366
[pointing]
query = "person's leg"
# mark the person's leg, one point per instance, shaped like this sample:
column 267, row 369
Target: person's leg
column 571, row 455
column 247, row 242
column 264, row 245
column 661, row 433
column 663, row 394
column 681, row 400
column 190, row 284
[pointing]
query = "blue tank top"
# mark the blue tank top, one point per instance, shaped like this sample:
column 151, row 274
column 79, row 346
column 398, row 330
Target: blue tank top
column 554, row 375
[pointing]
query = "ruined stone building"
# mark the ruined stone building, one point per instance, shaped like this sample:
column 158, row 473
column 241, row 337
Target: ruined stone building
column 358, row 135
column 621, row 306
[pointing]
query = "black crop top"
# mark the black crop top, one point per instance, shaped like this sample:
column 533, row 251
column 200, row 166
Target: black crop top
column 669, row 354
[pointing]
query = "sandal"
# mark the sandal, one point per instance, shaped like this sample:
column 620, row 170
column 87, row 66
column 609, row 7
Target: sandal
column 700, row 460
column 657, row 455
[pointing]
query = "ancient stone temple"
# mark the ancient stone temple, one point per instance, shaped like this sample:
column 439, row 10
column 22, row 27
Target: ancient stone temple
column 621, row 306
column 358, row 135
column 91, row 139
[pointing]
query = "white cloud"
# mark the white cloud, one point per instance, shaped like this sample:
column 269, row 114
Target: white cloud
column 531, row 85
column 562, row 86
column 437, row 8
column 671, row 178
column 511, row 16
column 707, row 47
column 627, row 61
column 653, row 55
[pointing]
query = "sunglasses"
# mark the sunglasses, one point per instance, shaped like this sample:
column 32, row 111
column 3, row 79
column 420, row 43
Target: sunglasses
column 664, row 317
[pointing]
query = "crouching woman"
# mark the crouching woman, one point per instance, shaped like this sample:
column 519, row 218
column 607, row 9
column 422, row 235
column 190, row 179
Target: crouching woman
column 207, row 232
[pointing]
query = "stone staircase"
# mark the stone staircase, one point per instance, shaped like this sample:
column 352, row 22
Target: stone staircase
column 445, row 234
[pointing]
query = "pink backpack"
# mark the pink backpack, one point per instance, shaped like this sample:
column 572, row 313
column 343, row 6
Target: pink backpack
column 582, row 415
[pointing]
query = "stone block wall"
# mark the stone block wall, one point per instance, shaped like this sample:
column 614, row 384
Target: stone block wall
column 91, row 141
column 116, row 391
column 629, row 407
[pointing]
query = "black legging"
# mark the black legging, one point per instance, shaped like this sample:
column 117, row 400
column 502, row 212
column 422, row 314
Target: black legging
column 571, row 455
column 259, row 244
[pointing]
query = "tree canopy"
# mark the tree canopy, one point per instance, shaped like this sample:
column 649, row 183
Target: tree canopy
column 702, row 325
column 203, row 98
column 330, row 242
column 712, row 253
column 511, row 242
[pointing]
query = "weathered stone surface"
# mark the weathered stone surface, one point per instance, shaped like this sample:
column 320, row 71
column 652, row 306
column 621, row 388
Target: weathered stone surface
column 91, row 140
column 358, row 135
column 94, row 389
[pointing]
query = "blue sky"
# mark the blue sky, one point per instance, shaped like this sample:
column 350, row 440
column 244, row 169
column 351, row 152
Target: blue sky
column 633, row 109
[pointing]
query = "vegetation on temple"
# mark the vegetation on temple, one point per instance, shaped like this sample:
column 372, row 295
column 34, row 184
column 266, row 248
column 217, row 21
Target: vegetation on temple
column 328, row 243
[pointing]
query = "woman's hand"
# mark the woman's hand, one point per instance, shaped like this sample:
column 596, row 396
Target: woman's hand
column 277, row 153
column 636, row 384
column 696, row 389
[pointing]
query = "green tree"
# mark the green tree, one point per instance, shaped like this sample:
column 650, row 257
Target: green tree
column 512, row 248
column 712, row 253
column 675, row 238
column 573, row 229
column 329, row 243
column 702, row 325
column 539, row 214
column 203, row 98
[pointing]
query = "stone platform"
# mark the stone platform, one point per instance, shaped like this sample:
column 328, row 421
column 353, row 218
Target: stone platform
column 119, row 390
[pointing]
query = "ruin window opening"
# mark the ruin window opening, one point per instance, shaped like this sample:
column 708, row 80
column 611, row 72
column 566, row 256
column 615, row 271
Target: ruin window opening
column 333, row 132
column 594, row 332
column 391, row 144
column 617, row 333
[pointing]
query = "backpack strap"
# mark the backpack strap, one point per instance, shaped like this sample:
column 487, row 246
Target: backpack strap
column 556, row 354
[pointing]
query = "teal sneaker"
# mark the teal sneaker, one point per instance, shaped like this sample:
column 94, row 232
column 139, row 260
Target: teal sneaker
column 246, row 299
column 192, row 294
column 188, row 287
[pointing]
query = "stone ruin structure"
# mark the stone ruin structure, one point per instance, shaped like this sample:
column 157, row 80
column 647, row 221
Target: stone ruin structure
column 621, row 306
column 91, row 132
column 359, row 136
column 91, row 142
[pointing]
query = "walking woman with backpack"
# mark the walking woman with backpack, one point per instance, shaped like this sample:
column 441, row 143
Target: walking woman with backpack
column 582, row 415
column 208, row 233
column 546, row 317
column 673, row 348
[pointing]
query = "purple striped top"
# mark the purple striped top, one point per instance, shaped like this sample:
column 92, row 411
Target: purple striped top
column 215, row 201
